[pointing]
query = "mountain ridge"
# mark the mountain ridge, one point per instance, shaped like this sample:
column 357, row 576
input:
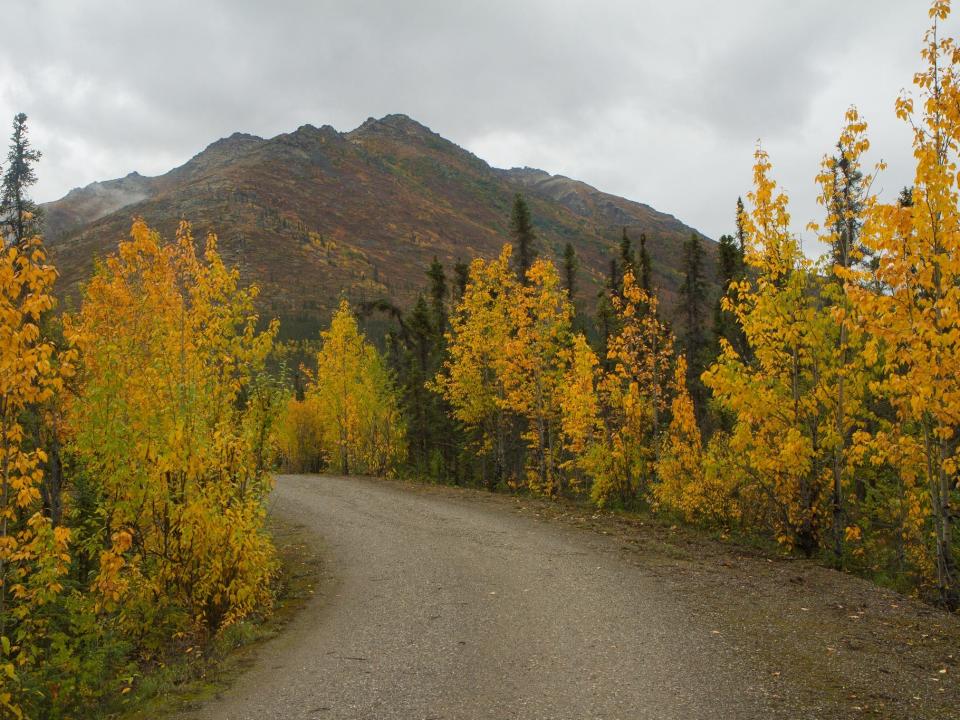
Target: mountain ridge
column 316, row 213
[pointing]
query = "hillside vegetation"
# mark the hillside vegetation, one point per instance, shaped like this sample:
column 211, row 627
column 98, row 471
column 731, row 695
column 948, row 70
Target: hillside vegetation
column 315, row 213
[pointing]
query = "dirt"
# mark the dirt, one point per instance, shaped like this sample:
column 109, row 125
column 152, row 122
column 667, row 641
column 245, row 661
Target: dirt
column 448, row 603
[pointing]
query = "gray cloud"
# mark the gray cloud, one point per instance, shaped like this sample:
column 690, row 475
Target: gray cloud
column 660, row 102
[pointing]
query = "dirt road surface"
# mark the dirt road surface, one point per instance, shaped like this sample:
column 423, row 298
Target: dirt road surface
column 444, row 604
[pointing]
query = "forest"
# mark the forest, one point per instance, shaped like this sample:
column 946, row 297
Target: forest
column 815, row 403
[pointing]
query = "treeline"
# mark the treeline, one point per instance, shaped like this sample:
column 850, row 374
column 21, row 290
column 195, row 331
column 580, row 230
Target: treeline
column 135, row 443
column 816, row 402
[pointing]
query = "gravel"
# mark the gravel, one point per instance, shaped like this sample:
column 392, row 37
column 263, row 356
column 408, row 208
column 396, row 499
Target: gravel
column 441, row 603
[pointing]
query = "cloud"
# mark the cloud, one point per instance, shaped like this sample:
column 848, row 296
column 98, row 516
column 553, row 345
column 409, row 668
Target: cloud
column 660, row 102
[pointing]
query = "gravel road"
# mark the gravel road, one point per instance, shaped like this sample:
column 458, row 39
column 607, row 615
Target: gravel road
column 439, row 606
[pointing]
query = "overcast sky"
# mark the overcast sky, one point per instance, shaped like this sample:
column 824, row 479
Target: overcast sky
column 661, row 102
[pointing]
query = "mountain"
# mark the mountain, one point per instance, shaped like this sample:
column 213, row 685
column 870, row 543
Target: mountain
column 314, row 213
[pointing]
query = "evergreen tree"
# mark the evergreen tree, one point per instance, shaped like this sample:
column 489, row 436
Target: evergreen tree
column 438, row 295
column 570, row 265
column 906, row 197
column 415, row 356
column 730, row 268
column 741, row 231
column 844, row 195
column 628, row 259
column 524, row 238
column 461, row 276
column 608, row 324
column 20, row 215
column 728, row 260
column 644, row 265
column 606, row 327
column 844, row 200
column 614, row 278
column 416, row 351
column 693, row 293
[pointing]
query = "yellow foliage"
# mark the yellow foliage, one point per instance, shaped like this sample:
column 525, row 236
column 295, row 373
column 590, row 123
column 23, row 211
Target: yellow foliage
column 680, row 468
column 350, row 416
column 170, row 424
column 472, row 378
column 613, row 419
column 300, row 436
column 910, row 305
column 33, row 554
column 533, row 368
column 779, row 396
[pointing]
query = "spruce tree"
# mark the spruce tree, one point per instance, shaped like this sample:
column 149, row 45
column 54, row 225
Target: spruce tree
column 20, row 215
column 628, row 260
column 615, row 279
column 741, row 231
column 847, row 206
column 461, row 276
column 728, row 260
column 438, row 295
column 644, row 268
column 521, row 226
column 417, row 349
column 730, row 268
column 608, row 325
column 570, row 264
column 905, row 199
column 693, row 293
column 416, row 363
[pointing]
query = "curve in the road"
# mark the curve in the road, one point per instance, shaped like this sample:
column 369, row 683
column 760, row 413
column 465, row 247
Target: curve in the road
column 445, row 607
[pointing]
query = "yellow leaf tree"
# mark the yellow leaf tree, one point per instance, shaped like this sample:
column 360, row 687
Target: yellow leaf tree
column 472, row 379
column 915, row 320
column 351, row 405
column 533, row 369
column 680, row 467
column 777, row 396
column 162, row 423
column 613, row 419
column 33, row 553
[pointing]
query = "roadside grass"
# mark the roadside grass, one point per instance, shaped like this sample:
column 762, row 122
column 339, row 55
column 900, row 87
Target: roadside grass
column 194, row 674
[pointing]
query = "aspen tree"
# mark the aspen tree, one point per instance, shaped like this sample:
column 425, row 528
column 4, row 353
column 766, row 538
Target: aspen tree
column 533, row 369
column 915, row 323
column 33, row 553
column 472, row 379
column 775, row 395
column 170, row 350
column 680, row 467
column 354, row 401
column 613, row 417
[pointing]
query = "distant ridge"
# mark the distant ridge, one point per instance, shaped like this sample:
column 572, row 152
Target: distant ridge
column 316, row 213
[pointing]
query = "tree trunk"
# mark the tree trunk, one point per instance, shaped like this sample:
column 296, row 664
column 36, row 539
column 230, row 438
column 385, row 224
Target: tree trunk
column 946, row 562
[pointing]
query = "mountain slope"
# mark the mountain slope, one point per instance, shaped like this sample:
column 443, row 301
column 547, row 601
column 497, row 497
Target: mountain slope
column 314, row 213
